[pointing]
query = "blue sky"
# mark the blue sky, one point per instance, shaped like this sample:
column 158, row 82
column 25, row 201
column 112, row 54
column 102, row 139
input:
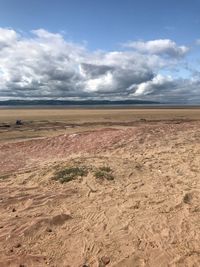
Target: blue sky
column 156, row 43
column 106, row 23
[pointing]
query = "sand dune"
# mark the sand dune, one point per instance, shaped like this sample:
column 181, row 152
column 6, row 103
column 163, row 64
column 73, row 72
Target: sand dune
column 147, row 216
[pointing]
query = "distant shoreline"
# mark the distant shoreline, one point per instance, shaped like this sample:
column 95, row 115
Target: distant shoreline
column 106, row 106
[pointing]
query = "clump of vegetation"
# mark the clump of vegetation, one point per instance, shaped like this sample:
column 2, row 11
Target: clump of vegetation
column 2, row 177
column 104, row 173
column 70, row 173
column 105, row 169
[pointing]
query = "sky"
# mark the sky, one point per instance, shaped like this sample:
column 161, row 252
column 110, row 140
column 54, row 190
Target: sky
column 100, row 49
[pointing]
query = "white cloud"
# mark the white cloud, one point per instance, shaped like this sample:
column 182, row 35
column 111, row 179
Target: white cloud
column 162, row 46
column 7, row 37
column 103, row 83
column 45, row 65
column 159, row 82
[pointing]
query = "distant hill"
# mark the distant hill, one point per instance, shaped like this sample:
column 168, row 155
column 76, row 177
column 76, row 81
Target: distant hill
column 73, row 102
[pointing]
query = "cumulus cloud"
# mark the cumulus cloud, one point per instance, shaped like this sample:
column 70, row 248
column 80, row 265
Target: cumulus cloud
column 45, row 65
column 158, row 83
column 7, row 37
column 162, row 46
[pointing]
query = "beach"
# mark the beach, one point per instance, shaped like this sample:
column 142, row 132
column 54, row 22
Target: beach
column 100, row 187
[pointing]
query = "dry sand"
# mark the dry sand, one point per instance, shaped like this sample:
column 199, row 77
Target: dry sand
column 149, row 215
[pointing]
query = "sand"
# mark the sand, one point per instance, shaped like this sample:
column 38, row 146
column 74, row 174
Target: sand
column 148, row 215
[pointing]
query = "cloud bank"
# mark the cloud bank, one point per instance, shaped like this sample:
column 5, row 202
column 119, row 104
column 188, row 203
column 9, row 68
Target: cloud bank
column 46, row 66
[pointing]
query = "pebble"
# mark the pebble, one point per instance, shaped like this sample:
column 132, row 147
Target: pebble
column 105, row 260
column 18, row 245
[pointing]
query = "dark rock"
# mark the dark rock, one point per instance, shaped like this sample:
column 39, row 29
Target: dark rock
column 19, row 122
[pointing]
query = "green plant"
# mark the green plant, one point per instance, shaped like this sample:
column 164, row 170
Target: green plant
column 104, row 173
column 70, row 173
column 105, row 169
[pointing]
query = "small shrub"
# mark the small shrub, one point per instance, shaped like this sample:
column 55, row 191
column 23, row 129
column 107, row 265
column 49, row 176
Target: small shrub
column 104, row 173
column 99, row 174
column 69, row 174
column 105, row 169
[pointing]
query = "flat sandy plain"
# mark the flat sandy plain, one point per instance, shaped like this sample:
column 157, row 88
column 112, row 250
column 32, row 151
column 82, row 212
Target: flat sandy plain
column 136, row 202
